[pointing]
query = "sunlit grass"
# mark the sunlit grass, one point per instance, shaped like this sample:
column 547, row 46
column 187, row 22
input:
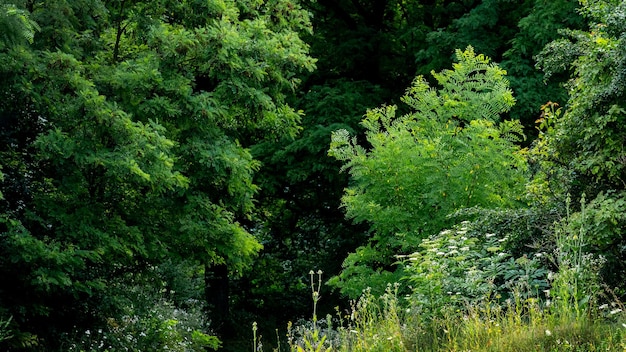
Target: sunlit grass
column 379, row 324
column 386, row 323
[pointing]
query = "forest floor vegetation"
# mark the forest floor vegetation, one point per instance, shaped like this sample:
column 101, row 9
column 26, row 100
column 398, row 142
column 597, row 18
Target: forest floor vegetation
column 388, row 323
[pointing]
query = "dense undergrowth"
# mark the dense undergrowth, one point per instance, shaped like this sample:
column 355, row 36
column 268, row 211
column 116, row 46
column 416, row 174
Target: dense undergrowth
column 392, row 323
column 382, row 324
column 465, row 290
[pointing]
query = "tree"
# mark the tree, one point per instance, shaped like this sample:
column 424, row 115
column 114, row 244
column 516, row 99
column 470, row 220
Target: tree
column 580, row 150
column 143, row 113
column 540, row 26
column 368, row 52
column 451, row 152
column 365, row 52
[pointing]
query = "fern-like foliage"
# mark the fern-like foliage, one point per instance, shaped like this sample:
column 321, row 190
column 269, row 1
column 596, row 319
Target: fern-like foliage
column 474, row 89
column 16, row 27
column 449, row 153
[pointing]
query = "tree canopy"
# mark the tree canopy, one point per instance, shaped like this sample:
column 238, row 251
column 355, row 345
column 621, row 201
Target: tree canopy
column 450, row 152
column 123, row 131
column 171, row 170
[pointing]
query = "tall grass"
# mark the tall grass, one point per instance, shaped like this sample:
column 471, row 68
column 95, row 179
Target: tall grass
column 385, row 324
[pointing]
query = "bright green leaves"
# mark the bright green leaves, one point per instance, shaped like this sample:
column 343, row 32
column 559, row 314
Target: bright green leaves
column 450, row 153
column 474, row 89
column 580, row 149
column 451, row 134
column 92, row 132
column 590, row 133
column 210, row 233
column 126, row 147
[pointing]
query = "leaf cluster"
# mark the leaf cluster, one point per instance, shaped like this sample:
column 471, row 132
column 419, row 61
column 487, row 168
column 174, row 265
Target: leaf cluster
column 450, row 153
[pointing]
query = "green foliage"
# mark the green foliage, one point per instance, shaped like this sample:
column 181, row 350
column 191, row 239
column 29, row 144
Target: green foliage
column 5, row 330
column 150, row 321
column 577, row 281
column 590, row 246
column 511, row 33
column 540, row 26
column 462, row 266
column 297, row 218
column 16, row 26
column 385, row 324
column 123, row 142
column 559, row 311
column 450, row 153
column 368, row 52
column 589, row 130
column 485, row 25
column 579, row 149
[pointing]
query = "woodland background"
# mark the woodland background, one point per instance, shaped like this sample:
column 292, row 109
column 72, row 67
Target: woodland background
column 172, row 171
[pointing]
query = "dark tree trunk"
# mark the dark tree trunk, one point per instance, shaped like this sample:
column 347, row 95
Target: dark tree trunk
column 216, row 292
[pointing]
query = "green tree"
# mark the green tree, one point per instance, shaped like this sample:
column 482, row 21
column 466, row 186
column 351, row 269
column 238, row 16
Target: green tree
column 451, row 152
column 368, row 52
column 540, row 26
column 124, row 136
column 580, row 149
column 511, row 33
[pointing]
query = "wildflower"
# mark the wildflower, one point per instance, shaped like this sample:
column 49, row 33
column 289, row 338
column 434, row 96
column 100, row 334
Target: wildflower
column 548, row 332
column 624, row 325
column 615, row 311
column 489, row 235
column 604, row 306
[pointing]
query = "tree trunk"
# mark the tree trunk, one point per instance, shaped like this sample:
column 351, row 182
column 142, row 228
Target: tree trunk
column 216, row 292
